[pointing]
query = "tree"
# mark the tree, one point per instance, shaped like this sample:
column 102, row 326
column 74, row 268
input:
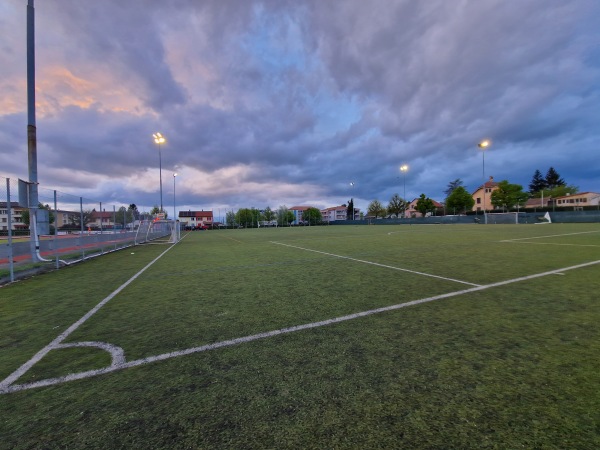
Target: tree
column 424, row 205
column 350, row 210
column 396, row 205
column 460, row 200
column 284, row 216
column 134, row 211
column 376, row 209
column 452, row 186
column 538, row 182
column 560, row 191
column 553, row 179
column 230, row 219
column 269, row 214
column 312, row 215
column 156, row 210
column 508, row 195
column 121, row 216
column 248, row 217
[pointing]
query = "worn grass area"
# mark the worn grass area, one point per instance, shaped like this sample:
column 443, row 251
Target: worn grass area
column 514, row 366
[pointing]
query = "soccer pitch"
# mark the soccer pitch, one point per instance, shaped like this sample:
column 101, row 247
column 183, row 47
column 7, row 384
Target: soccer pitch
column 422, row 336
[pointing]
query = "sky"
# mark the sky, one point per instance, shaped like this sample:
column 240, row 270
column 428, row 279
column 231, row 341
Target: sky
column 292, row 102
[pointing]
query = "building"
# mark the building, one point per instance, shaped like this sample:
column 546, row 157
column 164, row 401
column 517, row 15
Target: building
column 337, row 213
column 483, row 195
column 577, row 201
column 15, row 213
column 298, row 211
column 101, row 220
column 538, row 202
column 411, row 211
column 195, row 219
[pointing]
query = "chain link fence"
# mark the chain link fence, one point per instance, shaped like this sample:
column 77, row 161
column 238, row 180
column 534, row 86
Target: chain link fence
column 67, row 229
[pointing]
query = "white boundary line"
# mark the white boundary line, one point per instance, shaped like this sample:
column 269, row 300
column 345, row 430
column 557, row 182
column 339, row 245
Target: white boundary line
column 376, row 264
column 549, row 236
column 8, row 386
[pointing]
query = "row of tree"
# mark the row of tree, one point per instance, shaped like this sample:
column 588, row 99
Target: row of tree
column 397, row 207
column 505, row 196
column 252, row 217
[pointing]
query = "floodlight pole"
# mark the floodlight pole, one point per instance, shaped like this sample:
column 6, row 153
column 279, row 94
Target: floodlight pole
column 160, row 176
column 351, row 198
column 31, row 133
column 404, row 169
column 174, row 216
column 483, row 145
column 160, row 139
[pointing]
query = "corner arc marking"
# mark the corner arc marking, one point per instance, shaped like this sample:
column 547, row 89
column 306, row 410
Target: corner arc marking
column 116, row 353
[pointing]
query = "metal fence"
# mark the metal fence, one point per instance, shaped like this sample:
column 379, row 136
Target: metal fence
column 68, row 228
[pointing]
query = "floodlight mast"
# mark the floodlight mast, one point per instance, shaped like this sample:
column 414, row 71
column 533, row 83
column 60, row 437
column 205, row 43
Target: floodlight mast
column 160, row 139
column 404, row 169
column 174, row 176
column 483, row 145
column 31, row 134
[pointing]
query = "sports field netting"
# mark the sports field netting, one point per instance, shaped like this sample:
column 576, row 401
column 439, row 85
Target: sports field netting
column 372, row 334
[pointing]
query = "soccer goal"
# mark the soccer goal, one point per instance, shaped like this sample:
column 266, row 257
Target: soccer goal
column 158, row 232
column 504, row 218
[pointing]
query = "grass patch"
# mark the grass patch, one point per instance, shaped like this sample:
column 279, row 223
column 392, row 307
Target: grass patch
column 504, row 367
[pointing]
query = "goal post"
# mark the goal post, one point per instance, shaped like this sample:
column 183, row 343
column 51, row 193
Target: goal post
column 158, row 231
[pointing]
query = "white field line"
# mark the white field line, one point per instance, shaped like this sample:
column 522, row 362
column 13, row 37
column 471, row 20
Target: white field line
column 551, row 243
column 56, row 343
column 6, row 388
column 377, row 264
column 549, row 236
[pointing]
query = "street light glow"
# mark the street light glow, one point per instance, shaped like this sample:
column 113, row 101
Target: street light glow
column 404, row 168
column 159, row 138
column 484, row 144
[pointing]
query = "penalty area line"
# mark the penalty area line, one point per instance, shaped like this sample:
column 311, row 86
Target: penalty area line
column 377, row 264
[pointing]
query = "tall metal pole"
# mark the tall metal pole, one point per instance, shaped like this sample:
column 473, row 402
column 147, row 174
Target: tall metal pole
column 160, row 176
column 174, row 216
column 483, row 145
column 483, row 176
column 159, row 139
column 404, row 169
column 31, row 130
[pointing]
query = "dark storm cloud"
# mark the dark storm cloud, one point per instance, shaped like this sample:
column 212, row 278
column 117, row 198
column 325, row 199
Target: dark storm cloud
column 125, row 36
column 288, row 102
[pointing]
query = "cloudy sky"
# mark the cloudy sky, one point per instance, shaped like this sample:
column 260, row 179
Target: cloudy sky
column 288, row 102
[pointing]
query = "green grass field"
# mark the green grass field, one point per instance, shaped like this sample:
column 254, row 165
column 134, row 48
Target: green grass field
column 499, row 349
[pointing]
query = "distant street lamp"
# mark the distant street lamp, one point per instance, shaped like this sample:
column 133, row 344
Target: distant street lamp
column 351, row 198
column 483, row 145
column 404, row 169
column 160, row 139
column 174, row 176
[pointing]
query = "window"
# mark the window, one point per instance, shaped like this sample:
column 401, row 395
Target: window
column 478, row 200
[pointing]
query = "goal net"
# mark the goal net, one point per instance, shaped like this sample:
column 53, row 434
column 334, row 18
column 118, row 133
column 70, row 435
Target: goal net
column 158, row 232
column 505, row 218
